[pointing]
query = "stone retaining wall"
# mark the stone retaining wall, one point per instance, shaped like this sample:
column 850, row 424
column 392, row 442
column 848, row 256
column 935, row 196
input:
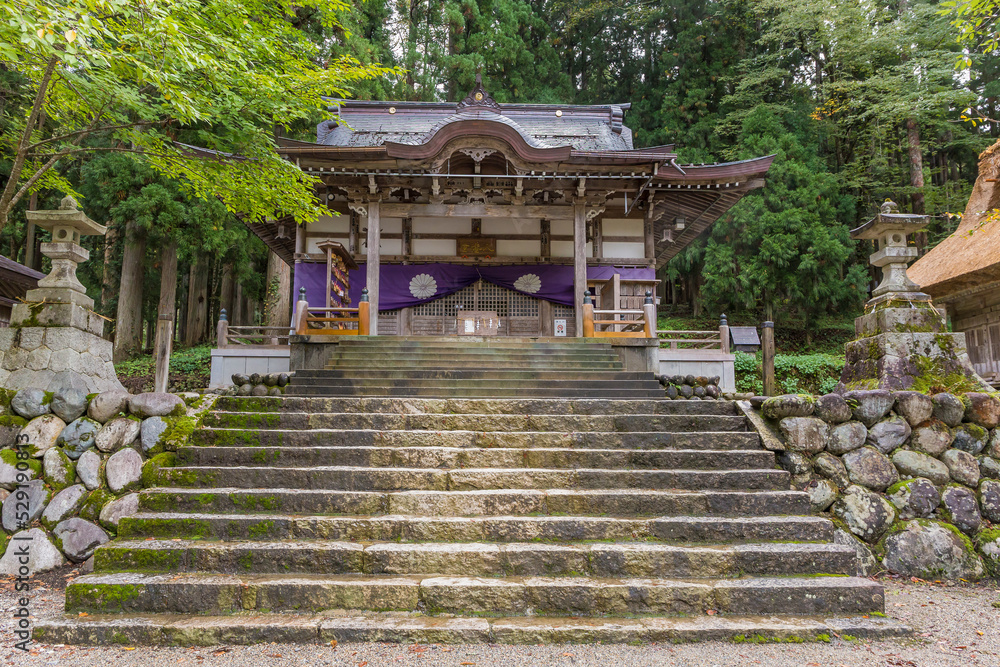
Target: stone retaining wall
column 912, row 480
column 78, row 462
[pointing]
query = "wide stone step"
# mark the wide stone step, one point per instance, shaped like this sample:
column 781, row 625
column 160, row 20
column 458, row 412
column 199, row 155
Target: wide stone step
column 509, row 596
column 481, row 559
column 490, row 503
column 400, row 371
column 362, row 379
column 719, row 440
column 475, row 353
column 498, row 529
column 457, row 457
column 473, row 422
column 256, row 628
column 568, row 390
column 349, row 478
column 519, row 406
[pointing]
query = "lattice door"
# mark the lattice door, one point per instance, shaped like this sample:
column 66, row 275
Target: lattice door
column 518, row 312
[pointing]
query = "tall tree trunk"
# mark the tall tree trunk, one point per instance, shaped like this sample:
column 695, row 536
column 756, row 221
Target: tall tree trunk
column 108, row 275
column 916, row 177
column 279, row 292
column 128, row 318
column 226, row 291
column 197, row 304
column 29, row 242
column 165, row 312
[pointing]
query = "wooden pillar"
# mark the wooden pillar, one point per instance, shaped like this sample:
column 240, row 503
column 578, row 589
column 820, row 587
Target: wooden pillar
column 407, row 237
column 579, row 262
column 372, row 268
column 165, row 315
column 724, row 334
column 546, row 244
column 767, row 345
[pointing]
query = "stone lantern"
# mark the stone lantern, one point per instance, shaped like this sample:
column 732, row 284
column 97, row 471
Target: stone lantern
column 55, row 337
column 902, row 341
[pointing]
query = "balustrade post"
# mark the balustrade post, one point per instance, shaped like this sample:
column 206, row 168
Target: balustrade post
column 649, row 312
column 301, row 312
column 724, row 333
column 364, row 316
column 588, row 315
column 222, row 330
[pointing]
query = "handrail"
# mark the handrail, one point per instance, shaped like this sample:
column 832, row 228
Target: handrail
column 641, row 327
column 310, row 322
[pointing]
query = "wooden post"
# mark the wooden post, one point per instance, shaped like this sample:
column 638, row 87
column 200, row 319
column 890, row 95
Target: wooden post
column 768, row 362
column 301, row 312
column 587, row 315
column 166, row 308
column 580, row 264
column 222, row 330
column 364, row 314
column 724, row 333
column 649, row 312
column 372, row 268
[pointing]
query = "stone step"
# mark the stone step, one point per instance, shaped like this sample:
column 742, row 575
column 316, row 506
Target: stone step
column 217, row 594
column 499, row 529
column 491, row 503
column 461, row 352
column 473, row 422
column 719, row 440
column 349, row 478
column 480, row 559
column 478, row 342
column 364, row 379
column 520, row 406
column 567, row 391
column 256, row 628
column 457, row 457
column 456, row 358
column 469, row 375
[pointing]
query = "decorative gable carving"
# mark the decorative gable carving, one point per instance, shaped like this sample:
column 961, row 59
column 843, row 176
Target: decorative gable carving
column 478, row 99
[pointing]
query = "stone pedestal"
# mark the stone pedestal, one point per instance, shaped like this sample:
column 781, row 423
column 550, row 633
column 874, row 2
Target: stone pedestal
column 902, row 341
column 54, row 339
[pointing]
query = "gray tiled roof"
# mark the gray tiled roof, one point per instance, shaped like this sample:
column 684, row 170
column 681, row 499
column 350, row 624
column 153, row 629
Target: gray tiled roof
column 583, row 128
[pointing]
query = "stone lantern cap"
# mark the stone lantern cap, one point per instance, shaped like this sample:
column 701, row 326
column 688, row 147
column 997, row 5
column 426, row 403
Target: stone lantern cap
column 889, row 220
column 67, row 223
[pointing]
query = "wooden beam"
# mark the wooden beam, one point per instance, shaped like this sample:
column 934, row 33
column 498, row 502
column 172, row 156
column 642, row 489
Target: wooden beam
column 579, row 259
column 374, row 238
column 550, row 212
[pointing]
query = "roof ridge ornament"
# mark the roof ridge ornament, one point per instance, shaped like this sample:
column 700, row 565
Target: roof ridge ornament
column 478, row 98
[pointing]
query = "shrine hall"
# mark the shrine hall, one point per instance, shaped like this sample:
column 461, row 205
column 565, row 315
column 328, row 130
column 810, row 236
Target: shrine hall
column 509, row 209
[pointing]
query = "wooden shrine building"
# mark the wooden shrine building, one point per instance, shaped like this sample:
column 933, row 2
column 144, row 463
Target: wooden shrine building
column 512, row 209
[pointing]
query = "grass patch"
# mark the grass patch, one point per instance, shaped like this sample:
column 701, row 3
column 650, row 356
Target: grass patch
column 190, row 369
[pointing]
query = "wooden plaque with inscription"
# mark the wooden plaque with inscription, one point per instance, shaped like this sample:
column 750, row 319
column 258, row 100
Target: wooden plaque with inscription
column 476, row 246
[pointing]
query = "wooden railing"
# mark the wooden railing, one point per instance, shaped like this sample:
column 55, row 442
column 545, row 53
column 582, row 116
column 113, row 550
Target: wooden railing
column 619, row 323
column 310, row 321
column 228, row 335
column 713, row 339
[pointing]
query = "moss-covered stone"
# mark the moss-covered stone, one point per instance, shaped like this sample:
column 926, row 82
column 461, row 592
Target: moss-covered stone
column 151, row 468
column 94, row 503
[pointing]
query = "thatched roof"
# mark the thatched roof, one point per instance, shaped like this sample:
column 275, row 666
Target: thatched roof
column 970, row 257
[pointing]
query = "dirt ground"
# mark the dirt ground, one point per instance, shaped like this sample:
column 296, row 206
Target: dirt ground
column 954, row 624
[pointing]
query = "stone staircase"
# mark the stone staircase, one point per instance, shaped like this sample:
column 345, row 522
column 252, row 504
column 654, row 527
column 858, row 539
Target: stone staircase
column 474, row 368
column 531, row 520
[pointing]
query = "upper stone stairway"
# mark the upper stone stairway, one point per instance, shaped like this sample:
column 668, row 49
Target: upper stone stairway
column 473, row 368
column 462, row 520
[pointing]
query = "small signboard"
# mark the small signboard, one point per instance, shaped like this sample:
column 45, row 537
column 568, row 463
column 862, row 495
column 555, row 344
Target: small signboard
column 473, row 246
column 478, row 323
column 560, row 327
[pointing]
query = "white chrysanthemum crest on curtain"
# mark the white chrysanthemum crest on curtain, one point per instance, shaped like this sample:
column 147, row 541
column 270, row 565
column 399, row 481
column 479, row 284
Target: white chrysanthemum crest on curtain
column 529, row 283
column 423, row 286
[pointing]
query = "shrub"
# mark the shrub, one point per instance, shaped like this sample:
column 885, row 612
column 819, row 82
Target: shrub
column 793, row 373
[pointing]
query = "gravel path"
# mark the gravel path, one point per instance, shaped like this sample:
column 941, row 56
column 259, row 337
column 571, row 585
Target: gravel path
column 955, row 625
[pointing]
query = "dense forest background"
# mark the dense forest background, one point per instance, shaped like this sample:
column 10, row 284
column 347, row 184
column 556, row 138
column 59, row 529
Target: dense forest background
column 860, row 101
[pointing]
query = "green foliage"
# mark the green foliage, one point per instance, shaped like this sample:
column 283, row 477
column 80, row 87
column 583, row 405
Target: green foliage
column 793, row 373
column 189, row 370
column 134, row 77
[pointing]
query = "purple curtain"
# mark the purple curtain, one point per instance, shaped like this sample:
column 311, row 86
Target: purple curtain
column 403, row 286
